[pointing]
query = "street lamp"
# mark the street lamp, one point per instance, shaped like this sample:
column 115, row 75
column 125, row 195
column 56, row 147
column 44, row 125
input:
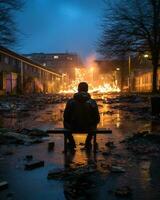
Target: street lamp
column 146, row 55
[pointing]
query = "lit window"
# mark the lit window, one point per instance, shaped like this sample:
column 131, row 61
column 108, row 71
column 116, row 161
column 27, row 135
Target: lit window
column 56, row 57
column 69, row 58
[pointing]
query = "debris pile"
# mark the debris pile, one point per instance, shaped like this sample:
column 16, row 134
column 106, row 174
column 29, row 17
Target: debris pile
column 24, row 136
column 78, row 182
column 143, row 143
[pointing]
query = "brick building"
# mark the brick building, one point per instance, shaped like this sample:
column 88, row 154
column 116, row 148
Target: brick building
column 20, row 74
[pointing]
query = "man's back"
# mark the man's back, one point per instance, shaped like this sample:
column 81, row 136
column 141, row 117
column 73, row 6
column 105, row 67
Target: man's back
column 81, row 112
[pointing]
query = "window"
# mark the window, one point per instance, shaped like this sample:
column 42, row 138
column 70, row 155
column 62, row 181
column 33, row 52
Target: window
column 69, row 58
column 56, row 57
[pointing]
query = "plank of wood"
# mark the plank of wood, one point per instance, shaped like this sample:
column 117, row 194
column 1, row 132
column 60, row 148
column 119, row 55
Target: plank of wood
column 62, row 131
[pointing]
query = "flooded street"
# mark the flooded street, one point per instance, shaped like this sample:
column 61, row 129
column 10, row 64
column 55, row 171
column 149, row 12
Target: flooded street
column 116, row 166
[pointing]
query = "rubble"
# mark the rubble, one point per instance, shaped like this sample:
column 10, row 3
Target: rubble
column 51, row 146
column 117, row 169
column 29, row 157
column 110, row 145
column 143, row 143
column 72, row 172
column 124, row 191
column 3, row 185
column 34, row 164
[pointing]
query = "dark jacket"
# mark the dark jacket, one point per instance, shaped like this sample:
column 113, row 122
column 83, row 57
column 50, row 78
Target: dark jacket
column 81, row 112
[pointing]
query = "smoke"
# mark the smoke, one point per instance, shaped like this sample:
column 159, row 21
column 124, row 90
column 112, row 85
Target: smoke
column 90, row 61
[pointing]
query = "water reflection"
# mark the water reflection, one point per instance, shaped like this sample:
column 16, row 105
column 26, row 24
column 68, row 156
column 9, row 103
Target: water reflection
column 145, row 175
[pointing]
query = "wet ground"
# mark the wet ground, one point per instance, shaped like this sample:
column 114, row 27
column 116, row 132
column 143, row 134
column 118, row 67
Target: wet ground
column 141, row 173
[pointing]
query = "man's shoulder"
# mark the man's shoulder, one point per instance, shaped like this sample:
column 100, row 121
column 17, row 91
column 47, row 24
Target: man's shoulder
column 92, row 102
column 70, row 101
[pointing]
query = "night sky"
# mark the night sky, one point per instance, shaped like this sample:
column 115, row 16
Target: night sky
column 60, row 26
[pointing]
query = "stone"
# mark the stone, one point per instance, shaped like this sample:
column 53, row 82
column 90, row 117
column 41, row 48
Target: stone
column 3, row 185
column 124, row 191
column 106, row 153
column 110, row 145
column 117, row 169
column 51, row 146
column 34, row 164
column 29, row 157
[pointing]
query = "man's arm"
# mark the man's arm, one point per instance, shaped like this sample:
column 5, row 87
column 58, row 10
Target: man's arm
column 96, row 114
column 67, row 115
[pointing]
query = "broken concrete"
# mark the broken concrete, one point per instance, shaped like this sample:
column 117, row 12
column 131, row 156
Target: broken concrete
column 3, row 185
column 34, row 164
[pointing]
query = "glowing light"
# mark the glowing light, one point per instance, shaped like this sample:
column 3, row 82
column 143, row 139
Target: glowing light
column 101, row 85
column 146, row 56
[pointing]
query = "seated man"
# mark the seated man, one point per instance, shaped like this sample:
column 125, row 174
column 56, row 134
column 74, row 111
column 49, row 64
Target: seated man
column 81, row 113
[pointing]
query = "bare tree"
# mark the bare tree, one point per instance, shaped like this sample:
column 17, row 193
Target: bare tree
column 8, row 28
column 132, row 26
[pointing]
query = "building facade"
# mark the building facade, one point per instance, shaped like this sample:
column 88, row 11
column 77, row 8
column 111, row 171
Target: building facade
column 61, row 62
column 21, row 75
column 143, row 80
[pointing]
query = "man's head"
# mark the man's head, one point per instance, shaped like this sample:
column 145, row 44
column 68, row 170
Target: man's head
column 83, row 87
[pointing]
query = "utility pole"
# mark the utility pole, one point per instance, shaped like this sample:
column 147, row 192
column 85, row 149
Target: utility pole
column 22, row 81
column 129, row 73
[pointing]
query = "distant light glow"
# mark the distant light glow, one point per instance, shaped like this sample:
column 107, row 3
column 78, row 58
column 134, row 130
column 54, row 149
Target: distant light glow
column 56, row 57
column 146, row 55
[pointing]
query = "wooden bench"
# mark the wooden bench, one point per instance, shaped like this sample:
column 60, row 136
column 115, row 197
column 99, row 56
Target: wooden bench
column 94, row 132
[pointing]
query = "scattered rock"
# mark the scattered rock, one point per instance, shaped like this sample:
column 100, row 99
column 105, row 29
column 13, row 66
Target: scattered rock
column 29, row 157
column 124, row 191
column 33, row 165
column 110, row 145
column 8, row 153
column 3, row 185
column 51, row 146
column 117, row 169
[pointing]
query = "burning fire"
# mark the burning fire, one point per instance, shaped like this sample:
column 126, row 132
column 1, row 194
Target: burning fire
column 90, row 74
column 101, row 89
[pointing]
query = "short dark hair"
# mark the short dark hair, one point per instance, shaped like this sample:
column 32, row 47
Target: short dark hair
column 83, row 87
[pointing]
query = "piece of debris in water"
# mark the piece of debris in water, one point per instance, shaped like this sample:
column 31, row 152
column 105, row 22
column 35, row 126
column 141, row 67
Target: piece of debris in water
column 34, row 164
column 123, row 191
column 3, row 185
column 117, row 169
column 51, row 146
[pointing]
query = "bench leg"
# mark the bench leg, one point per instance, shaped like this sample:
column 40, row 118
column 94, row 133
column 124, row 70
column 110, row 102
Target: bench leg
column 65, row 143
column 94, row 143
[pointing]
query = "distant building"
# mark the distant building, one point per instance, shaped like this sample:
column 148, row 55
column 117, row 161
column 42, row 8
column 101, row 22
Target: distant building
column 20, row 74
column 109, row 72
column 61, row 62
